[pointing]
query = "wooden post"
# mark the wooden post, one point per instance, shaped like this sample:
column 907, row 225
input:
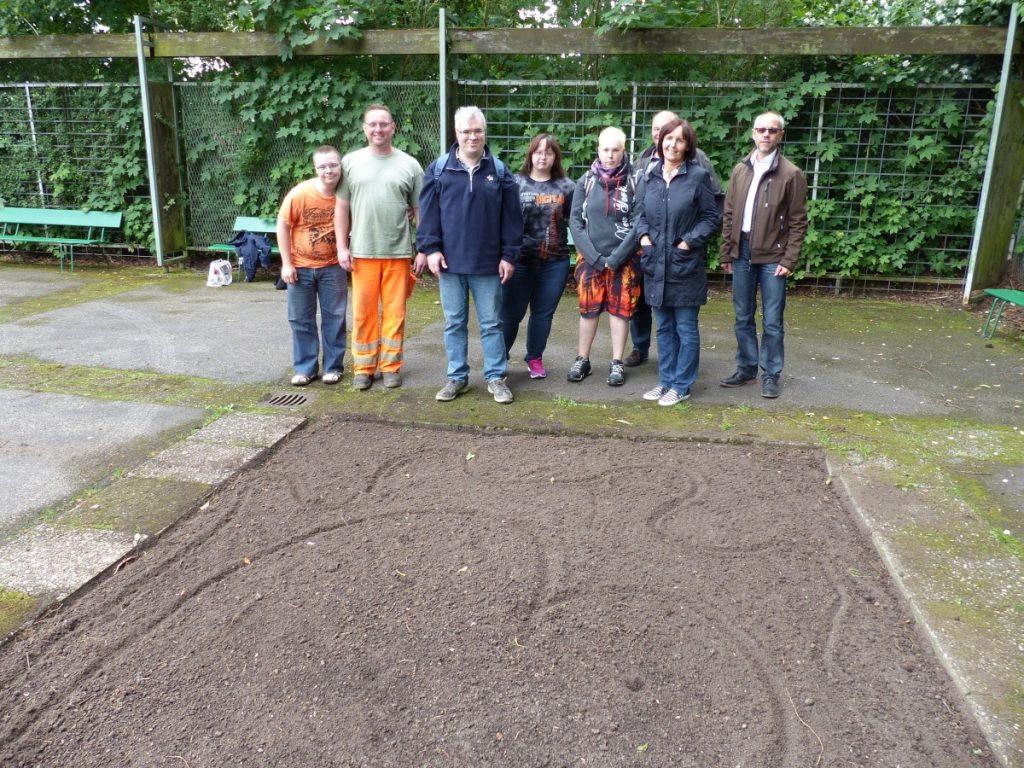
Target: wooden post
column 1004, row 170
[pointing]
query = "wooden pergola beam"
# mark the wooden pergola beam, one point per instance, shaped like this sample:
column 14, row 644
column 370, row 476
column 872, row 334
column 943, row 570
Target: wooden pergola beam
column 801, row 41
column 787, row 41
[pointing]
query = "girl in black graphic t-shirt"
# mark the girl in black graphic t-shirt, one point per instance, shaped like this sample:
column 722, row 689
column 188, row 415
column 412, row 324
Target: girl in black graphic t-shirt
column 539, row 280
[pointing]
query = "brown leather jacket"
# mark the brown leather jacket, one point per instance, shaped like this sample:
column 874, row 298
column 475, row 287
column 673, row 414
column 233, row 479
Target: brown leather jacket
column 779, row 222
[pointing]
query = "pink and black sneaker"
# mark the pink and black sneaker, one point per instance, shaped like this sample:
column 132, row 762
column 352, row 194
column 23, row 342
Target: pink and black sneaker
column 536, row 368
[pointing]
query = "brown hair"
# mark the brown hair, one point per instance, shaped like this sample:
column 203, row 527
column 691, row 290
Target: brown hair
column 689, row 136
column 381, row 107
column 556, row 167
column 325, row 149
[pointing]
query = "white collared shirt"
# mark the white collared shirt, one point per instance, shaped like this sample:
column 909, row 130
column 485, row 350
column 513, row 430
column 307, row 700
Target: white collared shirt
column 760, row 166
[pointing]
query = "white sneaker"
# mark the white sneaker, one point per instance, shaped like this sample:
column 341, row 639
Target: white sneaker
column 656, row 393
column 671, row 397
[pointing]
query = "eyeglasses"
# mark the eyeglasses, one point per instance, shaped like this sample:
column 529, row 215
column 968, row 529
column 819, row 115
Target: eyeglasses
column 470, row 132
column 328, row 167
column 544, row 152
column 769, row 131
column 378, row 126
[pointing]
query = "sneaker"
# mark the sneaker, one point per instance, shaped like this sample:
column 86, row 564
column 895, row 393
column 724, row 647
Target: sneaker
column 302, row 380
column 770, row 386
column 656, row 393
column 738, row 379
column 635, row 358
column 536, row 368
column 452, row 389
column 362, row 381
column 616, row 376
column 500, row 390
column 580, row 369
column 671, row 397
column 331, row 377
column 392, row 380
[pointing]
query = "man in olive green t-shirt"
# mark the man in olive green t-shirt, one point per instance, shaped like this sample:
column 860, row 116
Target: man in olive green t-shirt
column 377, row 200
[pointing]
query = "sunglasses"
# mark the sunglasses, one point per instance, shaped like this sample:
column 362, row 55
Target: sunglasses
column 769, row 131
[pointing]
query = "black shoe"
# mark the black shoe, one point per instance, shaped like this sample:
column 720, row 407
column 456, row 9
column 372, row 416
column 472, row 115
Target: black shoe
column 616, row 378
column 580, row 369
column 770, row 386
column 635, row 358
column 738, row 379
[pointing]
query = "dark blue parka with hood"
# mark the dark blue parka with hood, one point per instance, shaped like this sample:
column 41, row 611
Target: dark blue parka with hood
column 683, row 210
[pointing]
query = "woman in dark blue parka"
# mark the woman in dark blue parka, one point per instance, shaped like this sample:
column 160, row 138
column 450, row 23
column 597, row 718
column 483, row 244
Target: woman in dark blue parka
column 676, row 214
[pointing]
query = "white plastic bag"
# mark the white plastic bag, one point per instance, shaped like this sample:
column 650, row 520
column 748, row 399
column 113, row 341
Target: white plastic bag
column 220, row 273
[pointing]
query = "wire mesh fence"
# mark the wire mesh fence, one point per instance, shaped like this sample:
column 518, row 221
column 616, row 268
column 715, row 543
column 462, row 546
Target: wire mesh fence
column 894, row 173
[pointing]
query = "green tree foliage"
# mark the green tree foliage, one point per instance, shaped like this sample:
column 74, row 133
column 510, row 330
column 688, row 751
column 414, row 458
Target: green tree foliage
column 908, row 13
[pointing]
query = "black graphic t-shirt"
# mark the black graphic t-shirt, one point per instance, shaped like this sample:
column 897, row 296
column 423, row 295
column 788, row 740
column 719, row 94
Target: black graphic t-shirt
column 546, row 206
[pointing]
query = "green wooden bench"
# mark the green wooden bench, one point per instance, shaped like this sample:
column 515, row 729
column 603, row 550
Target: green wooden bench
column 1000, row 298
column 22, row 225
column 255, row 224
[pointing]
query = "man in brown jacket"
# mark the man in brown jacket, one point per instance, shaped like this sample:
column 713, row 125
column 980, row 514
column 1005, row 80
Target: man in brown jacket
column 763, row 229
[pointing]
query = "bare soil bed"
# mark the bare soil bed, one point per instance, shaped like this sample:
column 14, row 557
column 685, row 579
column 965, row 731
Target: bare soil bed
column 374, row 595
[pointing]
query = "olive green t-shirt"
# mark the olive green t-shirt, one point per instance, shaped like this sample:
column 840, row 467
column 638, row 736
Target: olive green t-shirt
column 380, row 191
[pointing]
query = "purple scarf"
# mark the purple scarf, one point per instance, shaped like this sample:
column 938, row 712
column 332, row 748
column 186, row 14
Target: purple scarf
column 606, row 174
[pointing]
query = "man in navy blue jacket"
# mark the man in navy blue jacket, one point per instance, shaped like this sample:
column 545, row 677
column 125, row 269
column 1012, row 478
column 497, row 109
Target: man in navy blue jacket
column 471, row 228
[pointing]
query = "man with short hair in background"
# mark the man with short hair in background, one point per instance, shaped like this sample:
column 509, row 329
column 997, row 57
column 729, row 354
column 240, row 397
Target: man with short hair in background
column 471, row 228
column 310, row 269
column 379, row 193
column 763, row 229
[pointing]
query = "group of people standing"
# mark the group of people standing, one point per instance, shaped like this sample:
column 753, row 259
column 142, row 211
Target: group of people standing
column 502, row 239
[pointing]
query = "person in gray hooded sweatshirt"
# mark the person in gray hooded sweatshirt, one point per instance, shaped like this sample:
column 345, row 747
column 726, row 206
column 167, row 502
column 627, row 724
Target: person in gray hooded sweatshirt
column 601, row 222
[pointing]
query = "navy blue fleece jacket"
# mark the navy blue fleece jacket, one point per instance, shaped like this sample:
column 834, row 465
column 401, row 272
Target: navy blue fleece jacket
column 474, row 219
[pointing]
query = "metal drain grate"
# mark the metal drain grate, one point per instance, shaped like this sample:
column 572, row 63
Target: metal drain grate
column 287, row 400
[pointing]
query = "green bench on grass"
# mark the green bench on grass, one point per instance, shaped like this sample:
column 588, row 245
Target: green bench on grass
column 62, row 228
column 1000, row 298
column 254, row 224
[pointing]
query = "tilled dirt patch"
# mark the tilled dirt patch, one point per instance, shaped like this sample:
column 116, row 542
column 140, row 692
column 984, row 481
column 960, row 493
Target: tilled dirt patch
column 374, row 595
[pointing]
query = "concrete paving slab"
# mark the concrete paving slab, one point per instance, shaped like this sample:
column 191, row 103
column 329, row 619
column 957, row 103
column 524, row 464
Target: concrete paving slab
column 238, row 333
column 47, row 560
column 135, row 505
column 257, row 429
column 220, row 449
column 54, row 445
column 198, row 462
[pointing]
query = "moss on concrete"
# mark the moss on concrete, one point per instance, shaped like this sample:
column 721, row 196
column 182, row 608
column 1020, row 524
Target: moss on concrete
column 134, row 505
column 34, row 375
column 15, row 609
column 87, row 284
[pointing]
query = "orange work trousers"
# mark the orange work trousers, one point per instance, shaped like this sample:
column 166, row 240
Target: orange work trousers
column 379, row 290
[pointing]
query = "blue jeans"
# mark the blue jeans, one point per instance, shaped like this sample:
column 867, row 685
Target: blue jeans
column 538, row 286
column 640, row 326
column 678, row 347
column 329, row 286
column 745, row 279
column 486, row 292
